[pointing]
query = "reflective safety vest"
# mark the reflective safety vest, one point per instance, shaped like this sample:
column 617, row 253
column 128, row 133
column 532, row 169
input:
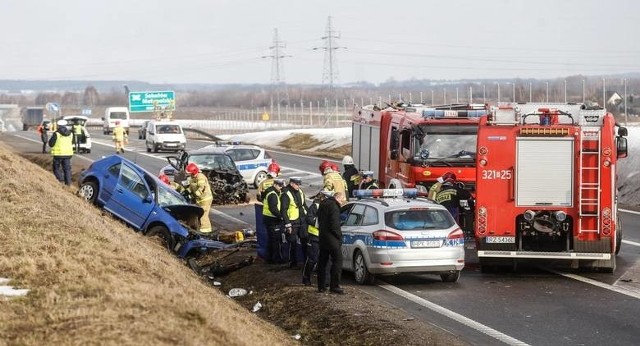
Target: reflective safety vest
column 200, row 188
column 293, row 212
column 265, row 207
column 265, row 184
column 434, row 189
column 312, row 229
column 77, row 129
column 119, row 134
column 63, row 145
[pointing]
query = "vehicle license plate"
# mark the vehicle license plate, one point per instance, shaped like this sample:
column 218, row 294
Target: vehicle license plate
column 501, row 240
column 171, row 144
column 425, row 243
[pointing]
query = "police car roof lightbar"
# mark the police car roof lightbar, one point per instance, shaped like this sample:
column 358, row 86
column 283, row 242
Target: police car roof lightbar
column 386, row 193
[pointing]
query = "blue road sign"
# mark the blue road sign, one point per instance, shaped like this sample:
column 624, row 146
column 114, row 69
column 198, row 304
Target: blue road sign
column 147, row 101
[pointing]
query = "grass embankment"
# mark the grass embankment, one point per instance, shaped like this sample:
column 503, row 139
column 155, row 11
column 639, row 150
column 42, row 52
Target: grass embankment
column 94, row 281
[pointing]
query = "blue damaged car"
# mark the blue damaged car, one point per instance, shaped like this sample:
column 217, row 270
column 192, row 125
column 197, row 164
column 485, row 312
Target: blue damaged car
column 145, row 203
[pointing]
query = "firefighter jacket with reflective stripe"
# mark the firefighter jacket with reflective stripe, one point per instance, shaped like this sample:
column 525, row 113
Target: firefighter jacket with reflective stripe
column 63, row 144
column 119, row 134
column 200, row 188
column 333, row 181
column 271, row 205
column 292, row 202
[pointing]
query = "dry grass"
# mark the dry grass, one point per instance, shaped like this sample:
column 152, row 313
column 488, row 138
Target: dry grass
column 301, row 142
column 94, row 281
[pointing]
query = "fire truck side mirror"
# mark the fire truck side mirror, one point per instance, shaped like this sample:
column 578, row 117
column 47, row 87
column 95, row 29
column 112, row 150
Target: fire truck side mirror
column 622, row 131
column 621, row 147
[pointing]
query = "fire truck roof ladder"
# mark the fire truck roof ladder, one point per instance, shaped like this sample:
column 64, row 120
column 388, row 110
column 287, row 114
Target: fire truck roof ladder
column 589, row 193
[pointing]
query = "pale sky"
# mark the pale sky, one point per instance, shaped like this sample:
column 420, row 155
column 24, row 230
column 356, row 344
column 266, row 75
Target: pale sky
column 223, row 41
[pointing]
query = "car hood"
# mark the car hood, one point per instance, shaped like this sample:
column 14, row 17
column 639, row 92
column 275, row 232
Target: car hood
column 184, row 212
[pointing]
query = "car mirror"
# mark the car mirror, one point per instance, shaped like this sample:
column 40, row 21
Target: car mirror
column 148, row 199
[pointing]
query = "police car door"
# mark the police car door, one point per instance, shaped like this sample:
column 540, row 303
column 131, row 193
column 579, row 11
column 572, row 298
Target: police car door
column 350, row 221
column 131, row 201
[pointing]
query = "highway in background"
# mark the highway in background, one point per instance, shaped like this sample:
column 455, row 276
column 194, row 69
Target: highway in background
column 535, row 305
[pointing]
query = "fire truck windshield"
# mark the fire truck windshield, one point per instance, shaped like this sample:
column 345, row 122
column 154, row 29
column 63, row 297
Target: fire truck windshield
column 448, row 144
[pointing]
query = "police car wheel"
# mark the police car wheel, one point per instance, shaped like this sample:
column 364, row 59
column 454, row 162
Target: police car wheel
column 360, row 271
column 259, row 178
column 163, row 233
column 450, row 277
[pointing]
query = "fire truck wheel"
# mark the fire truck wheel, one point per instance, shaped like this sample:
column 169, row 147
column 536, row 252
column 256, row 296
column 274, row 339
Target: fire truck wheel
column 163, row 233
column 450, row 277
column 360, row 271
column 618, row 236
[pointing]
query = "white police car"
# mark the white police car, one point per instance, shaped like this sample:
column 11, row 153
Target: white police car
column 391, row 232
column 252, row 161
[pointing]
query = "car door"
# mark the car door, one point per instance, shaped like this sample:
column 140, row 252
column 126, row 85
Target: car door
column 132, row 201
column 348, row 227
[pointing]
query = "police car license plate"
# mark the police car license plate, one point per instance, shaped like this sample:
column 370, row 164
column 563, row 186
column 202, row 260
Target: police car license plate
column 425, row 243
column 501, row 240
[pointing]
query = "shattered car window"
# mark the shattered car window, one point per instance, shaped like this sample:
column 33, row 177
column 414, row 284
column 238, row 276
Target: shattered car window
column 167, row 196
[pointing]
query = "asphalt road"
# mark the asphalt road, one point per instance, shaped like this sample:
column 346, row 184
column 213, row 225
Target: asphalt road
column 536, row 305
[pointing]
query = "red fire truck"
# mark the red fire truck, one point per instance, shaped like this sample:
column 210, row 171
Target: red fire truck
column 546, row 185
column 413, row 146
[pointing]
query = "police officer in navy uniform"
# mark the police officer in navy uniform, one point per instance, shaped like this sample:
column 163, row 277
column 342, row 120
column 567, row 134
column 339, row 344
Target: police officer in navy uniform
column 272, row 219
column 368, row 183
column 61, row 143
column 292, row 202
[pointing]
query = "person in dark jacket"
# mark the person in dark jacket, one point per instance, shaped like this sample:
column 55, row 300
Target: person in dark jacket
column 451, row 195
column 61, row 143
column 351, row 175
column 313, row 245
column 272, row 219
column 330, row 242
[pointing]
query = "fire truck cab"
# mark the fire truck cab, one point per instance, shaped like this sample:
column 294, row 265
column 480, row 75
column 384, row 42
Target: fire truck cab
column 546, row 185
column 414, row 146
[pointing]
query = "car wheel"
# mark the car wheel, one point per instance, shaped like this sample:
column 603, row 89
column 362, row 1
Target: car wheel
column 155, row 148
column 262, row 175
column 89, row 191
column 163, row 233
column 450, row 277
column 360, row 271
column 88, row 151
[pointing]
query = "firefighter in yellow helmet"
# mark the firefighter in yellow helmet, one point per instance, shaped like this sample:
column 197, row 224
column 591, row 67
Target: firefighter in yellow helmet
column 198, row 186
column 120, row 137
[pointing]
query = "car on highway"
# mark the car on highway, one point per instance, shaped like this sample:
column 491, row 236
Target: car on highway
column 142, row 201
column 142, row 130
column 252, row 161
column 391, row 231
column 85, row 141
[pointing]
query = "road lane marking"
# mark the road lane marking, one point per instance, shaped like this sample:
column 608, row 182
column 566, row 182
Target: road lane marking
column 630, row 211
column 629, row 242
column 596, row 283
column 453, row 315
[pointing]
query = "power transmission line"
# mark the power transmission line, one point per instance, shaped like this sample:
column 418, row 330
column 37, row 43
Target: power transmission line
column 330, row 70
column 277, row 70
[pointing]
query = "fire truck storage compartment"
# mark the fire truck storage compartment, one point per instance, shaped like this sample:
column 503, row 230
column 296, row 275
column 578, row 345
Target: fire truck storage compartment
column 366, row 148
column 544, row 172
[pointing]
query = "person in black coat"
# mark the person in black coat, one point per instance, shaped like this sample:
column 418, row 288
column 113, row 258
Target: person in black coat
column 330, row 241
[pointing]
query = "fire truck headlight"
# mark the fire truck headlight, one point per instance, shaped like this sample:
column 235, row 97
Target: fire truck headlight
column 529, row 215
column 560, row 215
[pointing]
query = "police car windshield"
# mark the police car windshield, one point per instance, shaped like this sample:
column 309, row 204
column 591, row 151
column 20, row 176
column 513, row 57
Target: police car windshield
column 406, row 220
column 213, row 161
column 450, row 143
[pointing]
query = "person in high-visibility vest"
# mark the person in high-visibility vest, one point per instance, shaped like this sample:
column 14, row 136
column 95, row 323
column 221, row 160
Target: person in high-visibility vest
column 198, row 185
column 272, row 219
column 78, row 135
column 437, row 186
column 333, row 181
column 368, row 183
column 313, row 245
column 61, row 143
column 294, row 211
column 120, row 137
